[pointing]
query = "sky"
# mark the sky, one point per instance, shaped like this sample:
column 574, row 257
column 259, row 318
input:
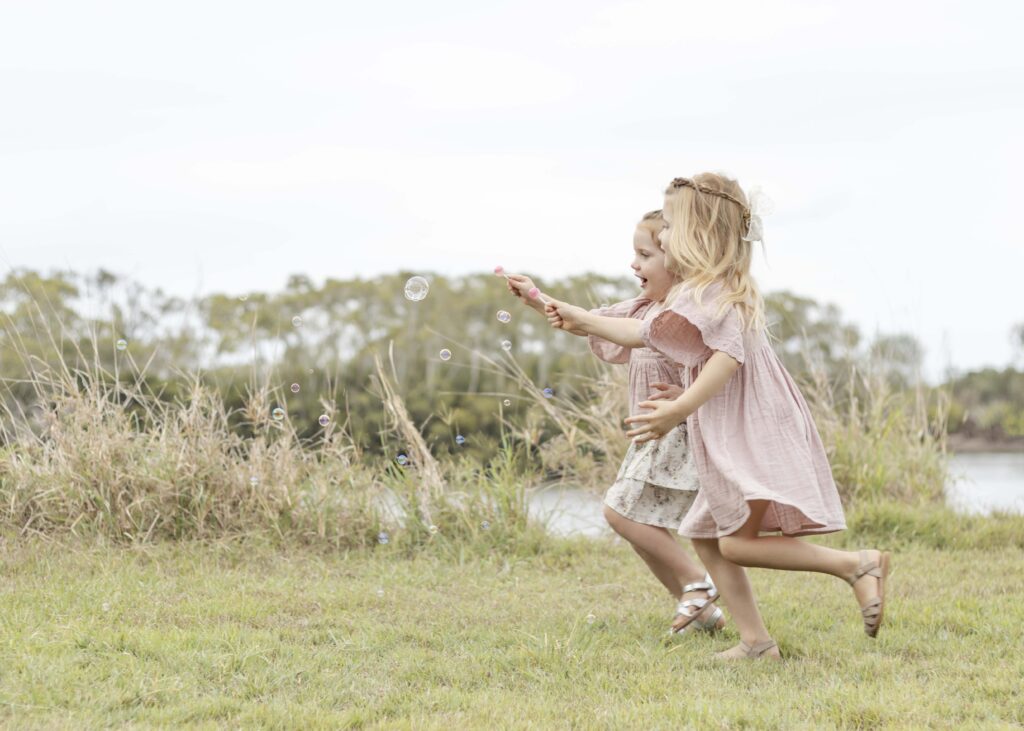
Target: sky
column 221, row 147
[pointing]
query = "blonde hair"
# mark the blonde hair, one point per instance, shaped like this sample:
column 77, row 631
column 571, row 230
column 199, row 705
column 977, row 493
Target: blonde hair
column 653, row 223
column 709, row 216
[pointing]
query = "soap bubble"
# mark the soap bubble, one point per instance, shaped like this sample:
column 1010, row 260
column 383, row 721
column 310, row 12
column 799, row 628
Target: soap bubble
column 380, row 593
column 122, row 344
column 506, row 345
column 416, row 289
column 105, row 607
column 548, row 392
column 485, row 525
column 591, row 619
column 277, row 413
column 310, row 371
column 254, row 480
column 507, row 402
column 460, row 440
column 504, row 316
column 383, row 538
column 297, row 321
column 402, row 459
column 243, row 297
column 295, row 387
column 433, row 530
column 445, row 354
column 324, row 420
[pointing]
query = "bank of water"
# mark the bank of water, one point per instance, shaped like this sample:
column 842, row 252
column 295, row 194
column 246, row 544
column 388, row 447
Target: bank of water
column 978, row 483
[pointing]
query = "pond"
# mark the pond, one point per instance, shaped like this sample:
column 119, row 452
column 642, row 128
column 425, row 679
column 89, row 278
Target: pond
column 978, row 483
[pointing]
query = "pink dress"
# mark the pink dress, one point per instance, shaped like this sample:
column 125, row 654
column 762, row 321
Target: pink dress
column 755, row 439
column 657, row 482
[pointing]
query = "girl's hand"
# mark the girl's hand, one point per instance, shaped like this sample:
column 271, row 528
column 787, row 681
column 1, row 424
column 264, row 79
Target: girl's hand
column 662, row 418
column 520, row 285
column 667, row 391
column 563, row 316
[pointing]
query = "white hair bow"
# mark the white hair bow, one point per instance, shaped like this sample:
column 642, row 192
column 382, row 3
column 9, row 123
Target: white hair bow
column 760, row 205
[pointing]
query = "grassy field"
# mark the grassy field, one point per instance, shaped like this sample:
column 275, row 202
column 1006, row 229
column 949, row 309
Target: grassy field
column 235, row 634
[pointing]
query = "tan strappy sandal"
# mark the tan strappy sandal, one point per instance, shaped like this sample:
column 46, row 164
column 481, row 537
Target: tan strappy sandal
column 751, row 652
column 873, row 611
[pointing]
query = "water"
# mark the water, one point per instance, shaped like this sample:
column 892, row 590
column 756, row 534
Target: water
column 981, row 483
column 568, row 511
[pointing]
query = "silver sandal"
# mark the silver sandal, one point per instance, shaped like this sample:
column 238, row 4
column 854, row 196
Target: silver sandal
column 691, row 609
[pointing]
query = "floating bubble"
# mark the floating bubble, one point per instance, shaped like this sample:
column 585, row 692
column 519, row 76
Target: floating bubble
column 380, row 593
column 460, row 440
column 485, row 525
column 433, row 530
column 548, row 392
column 445, row 354
column 383, row 538
column 254, row 480
column 506, row 345
column 402, row 459
column 416, row 289
column 504, row 316
column 243, row 297
column 591, row 619
column 297, row 321
column 507, row 402
column 105, row 607
column 295, row 388
column 122, row 344
column 324, row 420
column 277, row 413
column 310, row 371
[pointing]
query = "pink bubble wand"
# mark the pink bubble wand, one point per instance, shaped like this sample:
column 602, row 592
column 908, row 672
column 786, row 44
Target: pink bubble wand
column 534, row 292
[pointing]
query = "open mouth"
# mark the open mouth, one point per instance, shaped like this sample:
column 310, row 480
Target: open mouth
column 643, row 281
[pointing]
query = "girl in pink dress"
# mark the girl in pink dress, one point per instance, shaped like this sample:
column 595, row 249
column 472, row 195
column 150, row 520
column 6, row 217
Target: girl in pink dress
column 760, row 461
column 657, row 482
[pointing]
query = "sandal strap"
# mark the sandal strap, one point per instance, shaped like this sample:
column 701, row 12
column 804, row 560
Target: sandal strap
column 867, row 568
column 711, row 623
column 755, row 651
column 700, row 586
column 690, row 604
column 872, row 609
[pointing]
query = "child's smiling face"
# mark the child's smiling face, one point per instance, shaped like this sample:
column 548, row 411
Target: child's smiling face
column 649, row 266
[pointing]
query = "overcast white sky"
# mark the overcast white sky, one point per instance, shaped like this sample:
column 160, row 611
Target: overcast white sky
column 205, row 146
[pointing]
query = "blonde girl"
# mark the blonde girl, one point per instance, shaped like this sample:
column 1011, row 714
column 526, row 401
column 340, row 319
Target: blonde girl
column 657, row 482
column 760, row 461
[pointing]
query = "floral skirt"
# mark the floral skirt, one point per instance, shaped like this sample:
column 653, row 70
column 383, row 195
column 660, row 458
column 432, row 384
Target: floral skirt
column 657, row 482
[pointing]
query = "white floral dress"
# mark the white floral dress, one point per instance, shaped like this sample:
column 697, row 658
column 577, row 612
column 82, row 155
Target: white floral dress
column 657, row 482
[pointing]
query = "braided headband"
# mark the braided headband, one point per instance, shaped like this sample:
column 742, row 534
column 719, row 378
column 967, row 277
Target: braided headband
column 687, row 183
column 751, row 220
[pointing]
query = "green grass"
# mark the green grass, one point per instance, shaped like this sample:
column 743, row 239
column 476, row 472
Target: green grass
column 228, row 635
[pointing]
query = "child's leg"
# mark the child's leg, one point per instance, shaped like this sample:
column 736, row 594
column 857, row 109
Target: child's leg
column 659, row 550
column 746, row 548
column 736, row 591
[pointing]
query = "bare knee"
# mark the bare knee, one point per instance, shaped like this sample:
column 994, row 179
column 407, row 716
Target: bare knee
column 707, row 549
column 733, row 548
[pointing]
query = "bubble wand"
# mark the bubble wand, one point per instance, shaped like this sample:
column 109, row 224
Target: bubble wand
column 534, row 293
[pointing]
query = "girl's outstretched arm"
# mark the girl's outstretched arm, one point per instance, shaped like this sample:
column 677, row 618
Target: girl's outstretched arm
column 520, row 285
column 666, row 415
column 622, row 331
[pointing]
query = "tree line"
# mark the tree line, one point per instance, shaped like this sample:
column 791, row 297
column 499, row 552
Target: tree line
column 323, row 338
